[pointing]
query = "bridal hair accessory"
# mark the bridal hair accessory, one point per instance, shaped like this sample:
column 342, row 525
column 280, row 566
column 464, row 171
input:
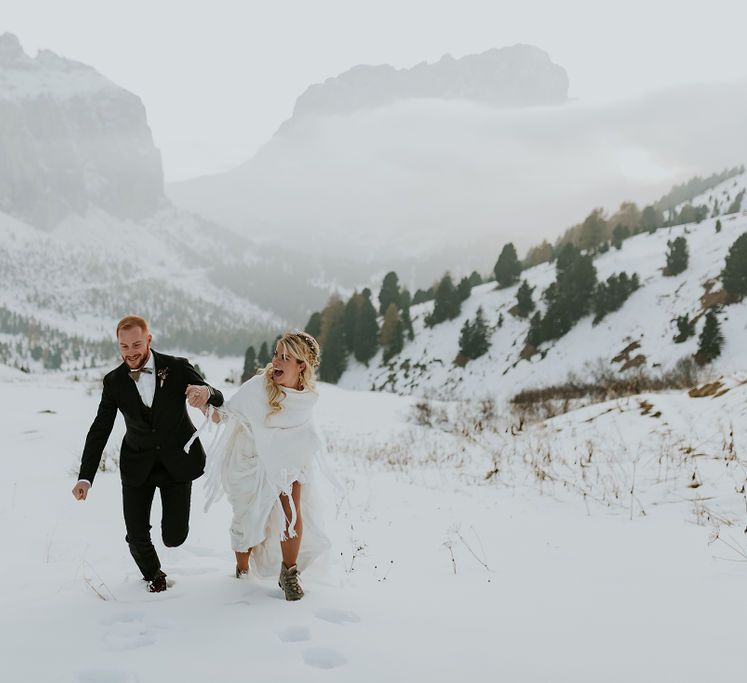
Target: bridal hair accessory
column 313, row 346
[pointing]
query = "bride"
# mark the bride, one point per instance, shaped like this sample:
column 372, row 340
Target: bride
column 266, row 454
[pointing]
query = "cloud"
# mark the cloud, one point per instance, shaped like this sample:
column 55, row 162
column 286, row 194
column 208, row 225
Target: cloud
column 421, row 176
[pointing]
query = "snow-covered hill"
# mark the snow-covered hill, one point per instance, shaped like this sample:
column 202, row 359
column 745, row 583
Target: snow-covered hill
column 63, row 290
column 608, row 540
column 646, row 321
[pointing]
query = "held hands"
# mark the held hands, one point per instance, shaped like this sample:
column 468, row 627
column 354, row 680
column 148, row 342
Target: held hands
column 197, row 395
column 80, row 490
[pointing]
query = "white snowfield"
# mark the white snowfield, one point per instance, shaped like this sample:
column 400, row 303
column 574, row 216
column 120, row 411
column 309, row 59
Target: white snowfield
column 602, row 545
column 425, row 366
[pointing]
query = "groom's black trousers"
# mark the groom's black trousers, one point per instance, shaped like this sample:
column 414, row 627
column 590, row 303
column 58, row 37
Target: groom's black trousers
column 138, row 500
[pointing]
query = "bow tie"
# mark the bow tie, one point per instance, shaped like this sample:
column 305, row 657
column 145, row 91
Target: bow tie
column 135, row 374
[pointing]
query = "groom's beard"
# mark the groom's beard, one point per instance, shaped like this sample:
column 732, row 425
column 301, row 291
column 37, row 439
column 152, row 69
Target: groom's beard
column 136, row 361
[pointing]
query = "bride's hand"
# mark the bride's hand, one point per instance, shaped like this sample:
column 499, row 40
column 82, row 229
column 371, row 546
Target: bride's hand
column 197, row 396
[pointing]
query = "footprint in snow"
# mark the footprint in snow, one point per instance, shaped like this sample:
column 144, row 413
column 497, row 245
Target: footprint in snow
column 294, row 634
column 127, row 632
column 336, row 616
column 323, row 658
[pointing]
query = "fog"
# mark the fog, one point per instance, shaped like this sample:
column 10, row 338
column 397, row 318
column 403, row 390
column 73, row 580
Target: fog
column 420, row 176
column 218, row 78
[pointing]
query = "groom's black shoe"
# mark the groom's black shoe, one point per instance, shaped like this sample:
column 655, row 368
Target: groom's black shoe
column 157, row 584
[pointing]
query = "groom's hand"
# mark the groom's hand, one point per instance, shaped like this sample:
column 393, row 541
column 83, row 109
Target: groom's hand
column 197, row 395
column 80, row 490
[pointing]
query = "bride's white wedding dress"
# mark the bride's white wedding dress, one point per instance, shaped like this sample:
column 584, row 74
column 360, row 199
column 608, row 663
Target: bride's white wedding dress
column 255, row 458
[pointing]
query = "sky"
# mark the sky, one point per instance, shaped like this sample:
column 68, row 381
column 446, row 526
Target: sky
column 218, row 78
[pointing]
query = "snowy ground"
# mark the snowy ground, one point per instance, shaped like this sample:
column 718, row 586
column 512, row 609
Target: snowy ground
column 438, row 574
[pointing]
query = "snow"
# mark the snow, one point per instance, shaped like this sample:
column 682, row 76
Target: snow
column 438, row 571
column 68, row 278
column 49, row 76
column 648, row 316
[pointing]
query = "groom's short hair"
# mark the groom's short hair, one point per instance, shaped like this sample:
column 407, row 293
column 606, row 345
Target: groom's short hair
column 130, row 321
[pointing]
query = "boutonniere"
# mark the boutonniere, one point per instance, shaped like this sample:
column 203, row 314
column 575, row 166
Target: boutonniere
column 162, row 375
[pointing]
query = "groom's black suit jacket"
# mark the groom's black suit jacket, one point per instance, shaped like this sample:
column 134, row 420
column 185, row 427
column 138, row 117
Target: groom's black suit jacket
column 158, row 433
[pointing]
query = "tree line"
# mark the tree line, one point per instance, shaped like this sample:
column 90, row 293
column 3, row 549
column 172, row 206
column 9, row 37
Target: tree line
column 361, row 326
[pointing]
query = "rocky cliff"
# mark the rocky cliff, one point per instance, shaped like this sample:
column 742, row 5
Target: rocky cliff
column 70, row 139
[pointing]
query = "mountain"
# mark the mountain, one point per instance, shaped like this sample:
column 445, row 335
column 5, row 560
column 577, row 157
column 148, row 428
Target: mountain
column 398, row 180
column 71, row 140
column 87, row 236
column 517, row 76
column 351, row 174
column 637, row 337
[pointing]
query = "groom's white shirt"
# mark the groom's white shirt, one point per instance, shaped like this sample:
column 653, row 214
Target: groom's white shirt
column 146, row 387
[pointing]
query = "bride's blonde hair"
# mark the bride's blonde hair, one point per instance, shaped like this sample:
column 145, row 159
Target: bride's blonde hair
column 305, row 349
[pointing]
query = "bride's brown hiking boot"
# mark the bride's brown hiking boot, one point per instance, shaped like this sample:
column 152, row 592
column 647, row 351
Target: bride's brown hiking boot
column 288, row 581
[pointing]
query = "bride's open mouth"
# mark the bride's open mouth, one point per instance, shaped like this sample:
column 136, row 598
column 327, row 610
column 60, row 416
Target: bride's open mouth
column 276, row 372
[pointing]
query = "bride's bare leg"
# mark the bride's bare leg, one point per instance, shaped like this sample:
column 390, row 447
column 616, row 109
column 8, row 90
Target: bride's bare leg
column 242, row 560
column 291, row 547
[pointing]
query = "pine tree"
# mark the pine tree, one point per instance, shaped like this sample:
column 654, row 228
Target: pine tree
column 609, row 296
column 718, row 225
column 593, row 230
column 250, row 364
column 392, row 333
column 685, row 329
column 569, row 297
column 507, row 268
column 263, row 357
column 366, row 335
column 619, row 235
column 332, row 341
column 314, row 326
column 473, row 338
column 734, row 274
column 524, row 303
column 651, row 219
column 534, row 336
column 711, row 340
column 404, row 300
column 677, row 256
column 423, row 295
column 389, row 292
column 350, row 320
column 475, row 278
column 447, row 304
column 464, row 288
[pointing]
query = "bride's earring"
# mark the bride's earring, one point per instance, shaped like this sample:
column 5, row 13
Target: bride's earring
column 299, row 385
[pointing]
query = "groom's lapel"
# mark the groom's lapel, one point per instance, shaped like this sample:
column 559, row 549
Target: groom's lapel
column 160, row 363
column 131, row 393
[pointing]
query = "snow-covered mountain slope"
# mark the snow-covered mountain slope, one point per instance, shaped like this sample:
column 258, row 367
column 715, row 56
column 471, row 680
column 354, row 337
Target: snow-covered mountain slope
column 63, row 290
column 647, row 319
column 454, row 554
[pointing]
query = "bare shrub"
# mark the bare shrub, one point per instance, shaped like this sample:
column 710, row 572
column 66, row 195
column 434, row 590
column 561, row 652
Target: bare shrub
column 605, row 384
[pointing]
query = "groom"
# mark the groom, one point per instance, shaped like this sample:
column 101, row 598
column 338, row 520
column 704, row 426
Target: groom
column 149, row 389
